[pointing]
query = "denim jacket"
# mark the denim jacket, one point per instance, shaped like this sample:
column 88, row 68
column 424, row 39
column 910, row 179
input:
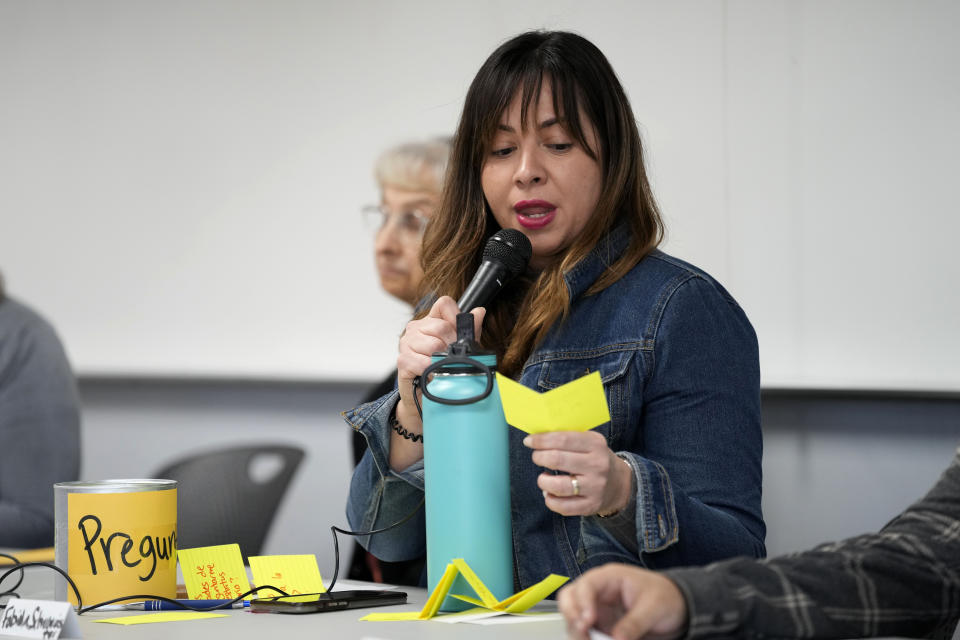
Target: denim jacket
column 679, row 364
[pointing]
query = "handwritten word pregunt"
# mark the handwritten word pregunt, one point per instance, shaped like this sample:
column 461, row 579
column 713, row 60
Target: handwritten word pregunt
column 122, row 543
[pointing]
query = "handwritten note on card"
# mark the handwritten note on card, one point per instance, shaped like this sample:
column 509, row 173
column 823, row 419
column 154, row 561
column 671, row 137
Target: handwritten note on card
column 213, row 573
column 293, row 574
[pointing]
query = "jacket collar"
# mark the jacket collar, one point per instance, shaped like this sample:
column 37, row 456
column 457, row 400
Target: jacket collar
column 605, row 253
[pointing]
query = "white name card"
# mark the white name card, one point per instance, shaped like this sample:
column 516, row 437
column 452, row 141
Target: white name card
column 43, row 619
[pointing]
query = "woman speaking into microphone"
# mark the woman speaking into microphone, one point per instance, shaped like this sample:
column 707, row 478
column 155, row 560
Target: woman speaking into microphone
column 547, row 145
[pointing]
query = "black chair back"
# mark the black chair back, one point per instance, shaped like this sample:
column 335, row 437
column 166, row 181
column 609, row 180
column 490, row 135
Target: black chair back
column 231, row 495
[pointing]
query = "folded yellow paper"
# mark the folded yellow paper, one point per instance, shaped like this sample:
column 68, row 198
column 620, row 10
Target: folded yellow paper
column 429, row 610
column 578, row 405
column 487, row 599
column 532, row 595
column 432, row 606
column 522, row 600
column 515, row 604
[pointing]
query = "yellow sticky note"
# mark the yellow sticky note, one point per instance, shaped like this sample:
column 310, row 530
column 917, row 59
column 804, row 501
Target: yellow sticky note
column 164, row 616
column 486, row 597
column 213, row 573
column 392, row 617
column 532, row 595
column 575, row 406
column 293, row 574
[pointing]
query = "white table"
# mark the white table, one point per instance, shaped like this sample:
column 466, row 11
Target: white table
column 341, row 625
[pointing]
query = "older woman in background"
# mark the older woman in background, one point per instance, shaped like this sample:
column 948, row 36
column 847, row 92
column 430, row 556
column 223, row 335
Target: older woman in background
column 410, row 177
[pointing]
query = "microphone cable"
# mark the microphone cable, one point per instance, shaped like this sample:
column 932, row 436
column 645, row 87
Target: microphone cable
column 336, row 544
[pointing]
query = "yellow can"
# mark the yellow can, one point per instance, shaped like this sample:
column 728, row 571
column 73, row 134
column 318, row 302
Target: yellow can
column 116, row 538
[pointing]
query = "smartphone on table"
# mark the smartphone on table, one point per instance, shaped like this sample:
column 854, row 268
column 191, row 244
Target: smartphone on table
column 332, row 601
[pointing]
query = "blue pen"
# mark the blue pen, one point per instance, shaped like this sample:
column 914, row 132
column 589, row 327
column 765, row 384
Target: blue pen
column 160, row 605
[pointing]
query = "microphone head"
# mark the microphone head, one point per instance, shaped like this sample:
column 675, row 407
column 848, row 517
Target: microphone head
column 511, row 248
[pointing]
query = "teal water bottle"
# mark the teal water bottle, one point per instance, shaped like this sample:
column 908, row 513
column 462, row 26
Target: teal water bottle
column 466, row 468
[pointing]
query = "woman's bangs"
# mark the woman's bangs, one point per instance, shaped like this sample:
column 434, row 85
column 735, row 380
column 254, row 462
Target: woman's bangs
column 567, row 98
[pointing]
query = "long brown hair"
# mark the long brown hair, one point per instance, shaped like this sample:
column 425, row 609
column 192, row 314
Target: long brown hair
column 581, row 79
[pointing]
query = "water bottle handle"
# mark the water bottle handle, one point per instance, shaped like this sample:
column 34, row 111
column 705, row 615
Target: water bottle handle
column 472, row 365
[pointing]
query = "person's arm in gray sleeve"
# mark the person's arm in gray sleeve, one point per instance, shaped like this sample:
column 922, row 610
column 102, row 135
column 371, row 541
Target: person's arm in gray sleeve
column 39, row 426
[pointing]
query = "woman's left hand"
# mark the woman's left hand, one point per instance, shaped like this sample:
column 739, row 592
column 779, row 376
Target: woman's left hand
column 595, row 480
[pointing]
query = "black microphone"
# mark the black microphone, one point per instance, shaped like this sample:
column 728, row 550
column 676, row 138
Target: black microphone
column 504, row 258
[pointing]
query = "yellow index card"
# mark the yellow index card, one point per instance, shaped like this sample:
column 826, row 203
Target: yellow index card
column 164, row 616
column 532, row 595
column 577, row 405
column 294, row 574
column 487, row 598
column 213, row 573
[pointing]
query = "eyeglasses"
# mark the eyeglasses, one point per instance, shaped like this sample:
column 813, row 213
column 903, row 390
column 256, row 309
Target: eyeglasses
column 408, row 225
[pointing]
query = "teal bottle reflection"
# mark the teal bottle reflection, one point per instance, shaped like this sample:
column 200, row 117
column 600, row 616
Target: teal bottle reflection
column 466, row 469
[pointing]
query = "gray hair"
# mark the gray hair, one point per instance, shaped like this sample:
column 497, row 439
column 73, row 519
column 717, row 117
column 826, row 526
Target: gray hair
column 414, row 166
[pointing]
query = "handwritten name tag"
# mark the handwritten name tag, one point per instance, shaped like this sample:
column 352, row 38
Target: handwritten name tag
column 39, row 619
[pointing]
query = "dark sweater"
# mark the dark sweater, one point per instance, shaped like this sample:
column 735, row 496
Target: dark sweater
column 39, row 425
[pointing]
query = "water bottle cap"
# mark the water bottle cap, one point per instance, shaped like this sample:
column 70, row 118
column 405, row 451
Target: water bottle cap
column 465, row 344
column 488, row 358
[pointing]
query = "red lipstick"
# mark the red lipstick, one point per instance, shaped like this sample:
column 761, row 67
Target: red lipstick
column 534, row 214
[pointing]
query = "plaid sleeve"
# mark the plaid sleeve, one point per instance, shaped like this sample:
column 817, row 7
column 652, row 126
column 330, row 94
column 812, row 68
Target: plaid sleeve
column 902, row 581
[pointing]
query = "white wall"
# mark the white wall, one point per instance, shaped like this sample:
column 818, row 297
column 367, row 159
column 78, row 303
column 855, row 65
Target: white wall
column 181, row 180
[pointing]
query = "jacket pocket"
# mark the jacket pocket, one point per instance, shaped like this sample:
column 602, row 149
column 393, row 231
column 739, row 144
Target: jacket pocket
column 613, row 365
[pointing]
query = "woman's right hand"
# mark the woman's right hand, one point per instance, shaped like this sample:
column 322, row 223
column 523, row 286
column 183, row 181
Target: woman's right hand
column 419, row 341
